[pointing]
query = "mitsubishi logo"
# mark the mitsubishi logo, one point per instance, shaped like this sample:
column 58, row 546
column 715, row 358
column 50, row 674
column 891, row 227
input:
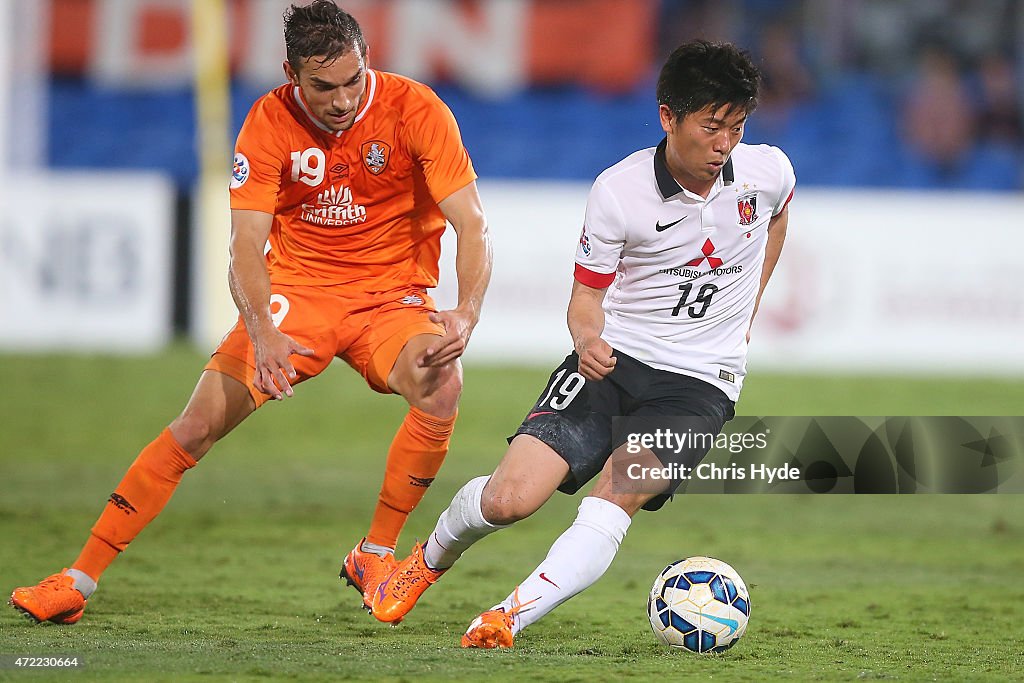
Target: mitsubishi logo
column 708, row 249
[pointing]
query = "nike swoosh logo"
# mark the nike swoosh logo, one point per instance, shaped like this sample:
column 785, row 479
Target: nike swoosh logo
column 731, row 623
column 544, row 578
column 538, row 414
column 659, row 227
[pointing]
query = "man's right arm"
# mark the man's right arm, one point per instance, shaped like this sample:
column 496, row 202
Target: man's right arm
column 249, row 282
column 586, row 323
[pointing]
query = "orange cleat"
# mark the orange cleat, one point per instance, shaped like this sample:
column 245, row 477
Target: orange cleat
column 493, row 628
column 52, row 599
column 397, row 594
column 364, row 571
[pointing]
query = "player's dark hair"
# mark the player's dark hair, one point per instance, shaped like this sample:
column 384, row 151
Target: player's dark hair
column 699, row 74
column 320, row 29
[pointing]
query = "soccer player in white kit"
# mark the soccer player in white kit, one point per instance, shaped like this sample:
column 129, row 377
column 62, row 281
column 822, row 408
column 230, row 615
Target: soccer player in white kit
column 678, row 244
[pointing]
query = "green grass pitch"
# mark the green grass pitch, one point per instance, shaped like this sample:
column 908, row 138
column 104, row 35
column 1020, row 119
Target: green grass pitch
column 237, row 579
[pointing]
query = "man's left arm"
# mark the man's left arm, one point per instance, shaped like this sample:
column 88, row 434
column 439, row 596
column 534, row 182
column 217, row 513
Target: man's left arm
column 776, row 237
column 473, row 260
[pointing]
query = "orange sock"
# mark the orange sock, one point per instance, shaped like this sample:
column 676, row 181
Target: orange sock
column 137, row 500
column 415, row 457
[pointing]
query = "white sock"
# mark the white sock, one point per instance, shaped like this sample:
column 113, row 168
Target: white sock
column 576, row 560
column 84, row 583
column 381, row 550
column 458, row 527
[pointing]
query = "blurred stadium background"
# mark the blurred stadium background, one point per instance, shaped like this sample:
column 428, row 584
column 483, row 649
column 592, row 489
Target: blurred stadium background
column 903, row 120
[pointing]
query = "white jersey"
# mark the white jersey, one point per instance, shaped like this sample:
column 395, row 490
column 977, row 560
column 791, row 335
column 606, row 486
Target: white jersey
column 683, row 271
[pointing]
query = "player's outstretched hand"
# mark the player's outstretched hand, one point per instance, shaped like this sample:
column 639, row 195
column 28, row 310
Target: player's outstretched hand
column 596, row 359
column 274, row 371
column 458, row 325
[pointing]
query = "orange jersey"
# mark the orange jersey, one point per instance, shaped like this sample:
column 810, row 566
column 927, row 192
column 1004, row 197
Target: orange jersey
column 356, row 204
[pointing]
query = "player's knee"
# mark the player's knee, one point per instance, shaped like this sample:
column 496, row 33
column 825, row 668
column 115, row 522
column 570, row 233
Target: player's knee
column 449, row 388
column 439, row 391
column 502, row 506
column 194, row 432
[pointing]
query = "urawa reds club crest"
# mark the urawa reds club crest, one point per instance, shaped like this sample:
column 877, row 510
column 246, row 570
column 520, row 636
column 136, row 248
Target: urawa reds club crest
column 746, row 205
column 375, row 155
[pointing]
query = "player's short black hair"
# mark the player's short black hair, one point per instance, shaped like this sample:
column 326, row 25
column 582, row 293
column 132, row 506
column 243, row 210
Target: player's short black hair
column 320, row 29
column 699, row 74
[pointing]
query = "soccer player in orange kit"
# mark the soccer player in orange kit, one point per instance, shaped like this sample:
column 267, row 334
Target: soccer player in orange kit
column 350, row 173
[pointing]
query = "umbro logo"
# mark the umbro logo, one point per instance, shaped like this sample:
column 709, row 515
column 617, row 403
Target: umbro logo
column 121, row 503
column 659, row 227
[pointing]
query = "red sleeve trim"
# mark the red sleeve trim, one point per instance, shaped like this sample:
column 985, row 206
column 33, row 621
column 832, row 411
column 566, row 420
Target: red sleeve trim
column 785, row 203
column 592, row 279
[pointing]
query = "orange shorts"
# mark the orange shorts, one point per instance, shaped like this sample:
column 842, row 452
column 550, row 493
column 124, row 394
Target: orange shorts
column 368, row 331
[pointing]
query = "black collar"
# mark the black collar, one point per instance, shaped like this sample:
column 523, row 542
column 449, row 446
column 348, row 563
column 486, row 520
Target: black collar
column 667, row 185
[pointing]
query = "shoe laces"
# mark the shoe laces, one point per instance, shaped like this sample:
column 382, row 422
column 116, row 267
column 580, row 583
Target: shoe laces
column 410, row 578
column 56, row 592
column 517, row 607
column 55, row 582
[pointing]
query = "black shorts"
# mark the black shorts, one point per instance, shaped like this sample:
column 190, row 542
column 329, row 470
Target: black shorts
column 574, row 416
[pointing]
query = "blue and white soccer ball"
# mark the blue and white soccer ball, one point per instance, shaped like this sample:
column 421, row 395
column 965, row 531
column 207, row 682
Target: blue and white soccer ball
column 699, row 604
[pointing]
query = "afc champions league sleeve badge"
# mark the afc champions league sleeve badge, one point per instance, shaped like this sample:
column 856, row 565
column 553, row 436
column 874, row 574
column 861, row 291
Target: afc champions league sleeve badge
column 585, row 242
column 239, row 170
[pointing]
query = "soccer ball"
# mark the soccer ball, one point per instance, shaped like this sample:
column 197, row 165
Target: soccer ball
column 699, row 604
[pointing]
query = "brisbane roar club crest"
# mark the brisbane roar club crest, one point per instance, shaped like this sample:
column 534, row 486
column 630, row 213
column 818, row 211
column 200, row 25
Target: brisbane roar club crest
column 375, row 155
column 746, row 205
